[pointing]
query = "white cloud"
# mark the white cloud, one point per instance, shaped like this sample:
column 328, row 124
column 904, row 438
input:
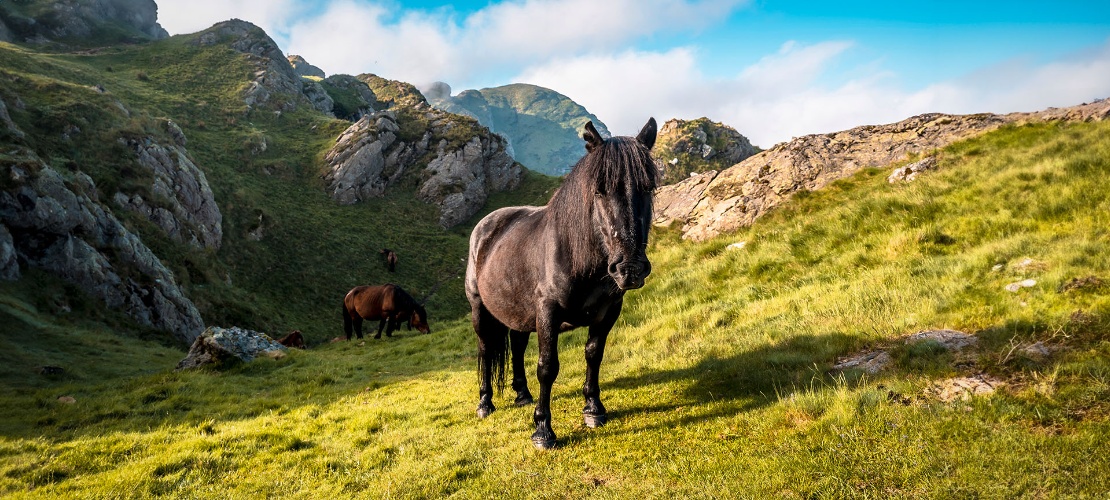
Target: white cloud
column 785, row 95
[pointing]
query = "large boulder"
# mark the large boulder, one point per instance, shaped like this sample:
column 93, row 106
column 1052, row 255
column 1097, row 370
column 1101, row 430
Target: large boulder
column 459, row 181
column 713, row 204
column 221, row 345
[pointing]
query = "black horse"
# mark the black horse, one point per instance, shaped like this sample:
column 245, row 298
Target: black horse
column 558, row 267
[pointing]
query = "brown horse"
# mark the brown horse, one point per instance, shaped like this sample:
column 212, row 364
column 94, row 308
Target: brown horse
column 294, row 339
column 390, row 259
column 561, row 266
column 387, row 303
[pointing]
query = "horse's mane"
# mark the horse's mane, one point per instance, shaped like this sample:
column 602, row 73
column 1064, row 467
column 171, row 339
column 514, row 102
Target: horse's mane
column 619, row 163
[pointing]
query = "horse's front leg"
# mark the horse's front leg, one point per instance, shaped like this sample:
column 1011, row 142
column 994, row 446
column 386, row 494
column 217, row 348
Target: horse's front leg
column 594, row 413
column 518, row 342
column 381, row 325
column 547, row 369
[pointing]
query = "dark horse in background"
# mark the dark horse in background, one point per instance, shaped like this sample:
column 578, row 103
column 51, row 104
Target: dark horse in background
column 387, row 303
column 554, row 268
column 390, row 259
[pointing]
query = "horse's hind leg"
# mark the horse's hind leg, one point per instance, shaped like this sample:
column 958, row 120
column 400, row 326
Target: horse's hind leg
column 518, row 342
column 357, row 321
column 492, row 340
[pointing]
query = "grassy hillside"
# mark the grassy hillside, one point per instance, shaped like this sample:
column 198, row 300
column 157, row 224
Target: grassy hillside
column 716, row 378
column 264, row 170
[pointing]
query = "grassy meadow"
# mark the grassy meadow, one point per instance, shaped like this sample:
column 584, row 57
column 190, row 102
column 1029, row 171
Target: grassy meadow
column 717, row 377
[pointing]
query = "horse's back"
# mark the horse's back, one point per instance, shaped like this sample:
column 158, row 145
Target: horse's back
column 502, row 271
column 370, row 301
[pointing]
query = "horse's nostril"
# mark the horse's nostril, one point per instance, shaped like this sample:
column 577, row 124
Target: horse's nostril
column 613, row 268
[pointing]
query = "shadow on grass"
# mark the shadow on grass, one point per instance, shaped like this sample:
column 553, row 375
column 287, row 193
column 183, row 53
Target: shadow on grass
column 744, row 381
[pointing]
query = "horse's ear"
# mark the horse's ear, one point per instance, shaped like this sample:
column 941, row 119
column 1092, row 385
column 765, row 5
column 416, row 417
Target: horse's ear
column 593, row 139
column 647, row 134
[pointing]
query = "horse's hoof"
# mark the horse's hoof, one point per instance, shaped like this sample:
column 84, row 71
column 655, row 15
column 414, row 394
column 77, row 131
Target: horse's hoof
column 378, row 336
column 485, row 410
column 543, row 441
column 595, row 420
column 523, row 400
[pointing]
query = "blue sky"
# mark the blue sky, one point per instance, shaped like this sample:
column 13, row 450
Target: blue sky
column 773, row 70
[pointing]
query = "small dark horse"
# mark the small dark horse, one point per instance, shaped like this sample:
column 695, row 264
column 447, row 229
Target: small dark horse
column 294, row 339
column 390, row 259
column 388, row 303
column 558, row 267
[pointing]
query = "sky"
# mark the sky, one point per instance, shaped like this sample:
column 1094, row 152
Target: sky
column 772, row 70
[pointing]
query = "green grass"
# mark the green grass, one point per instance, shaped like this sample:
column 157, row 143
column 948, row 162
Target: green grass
column 716, row 377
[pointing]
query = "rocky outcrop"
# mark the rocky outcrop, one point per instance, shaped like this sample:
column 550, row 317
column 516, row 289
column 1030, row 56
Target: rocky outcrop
column 60, row 227
column 543, row 127
column 302, row 68
column 467, row 162
column 220, row 345
column 367, row 158
column 69, row 20
column 274, row 84
column 183, row 204
column 7, row 125
column 739, row 195
column 687, row 147
column 318, row 97
column 351, row 97
column 459, row 181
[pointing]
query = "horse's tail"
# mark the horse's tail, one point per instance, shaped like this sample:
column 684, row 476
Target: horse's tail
column 494, row 338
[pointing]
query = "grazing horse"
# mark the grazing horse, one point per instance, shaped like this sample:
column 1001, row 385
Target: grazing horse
column 388, row 303
column 294, row 339
column 561, row 266
column 390, row 259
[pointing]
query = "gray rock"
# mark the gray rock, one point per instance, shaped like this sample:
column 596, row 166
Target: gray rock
column 909, row 172
column 275, row 84
column 217, row 345
column 366, row 100
column 193, row 216
column 319, row 97
column 9, row 264
column 302, row 68
column 460, row 181
column 68, row 233
column 7, row 124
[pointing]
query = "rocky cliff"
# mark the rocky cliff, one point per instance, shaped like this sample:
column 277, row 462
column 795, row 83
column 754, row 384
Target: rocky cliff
column 543, row 127
column 80, row 22
column 685, row 147
column 456, row 162
column 712, row 203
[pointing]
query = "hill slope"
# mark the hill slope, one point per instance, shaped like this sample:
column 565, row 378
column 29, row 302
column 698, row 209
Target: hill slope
column 544, row 127
column 718, row 377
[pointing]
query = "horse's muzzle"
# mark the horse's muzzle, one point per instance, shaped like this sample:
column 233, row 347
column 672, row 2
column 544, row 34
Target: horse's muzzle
column 630, row 275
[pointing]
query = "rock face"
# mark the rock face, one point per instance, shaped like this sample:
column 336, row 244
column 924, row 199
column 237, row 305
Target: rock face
column 351, row 97
column 694, row 146
column 709, row 205
column 275, row 84
column 59, row 226
column 217, row 345
column 543, row 127
column 458, row 162
column 192, row 215
column 302, row 68
column 67, row 20
column 370, row 156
